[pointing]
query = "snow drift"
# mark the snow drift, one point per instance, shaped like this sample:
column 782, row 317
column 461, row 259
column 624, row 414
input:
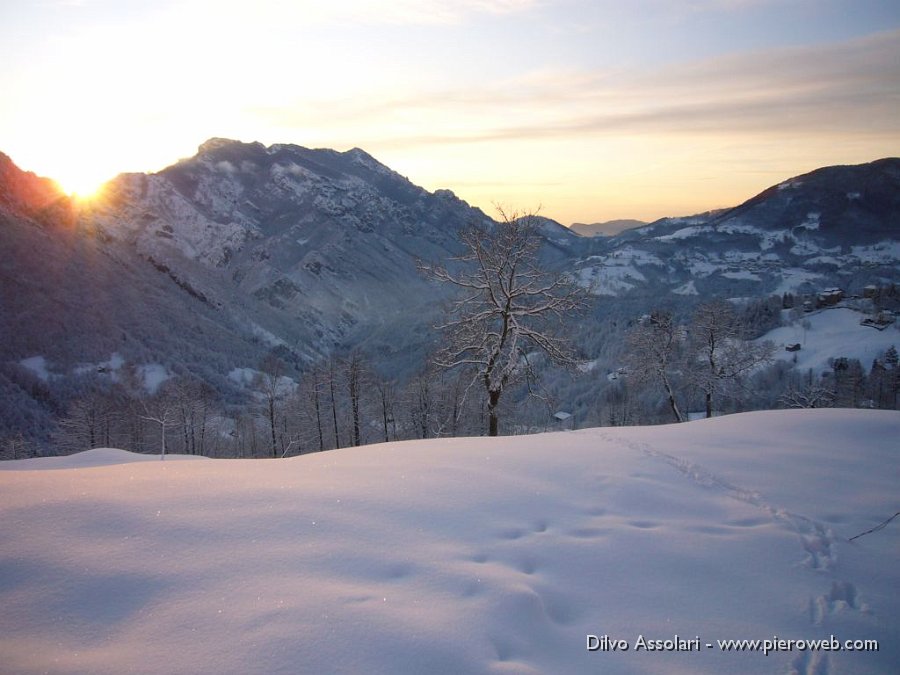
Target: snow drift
column 464, row 555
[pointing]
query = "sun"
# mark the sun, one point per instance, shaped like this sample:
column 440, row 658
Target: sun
column 82, row 185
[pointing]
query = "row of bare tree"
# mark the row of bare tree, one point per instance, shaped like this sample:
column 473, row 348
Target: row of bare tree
column 710, row 353
column 338, row 403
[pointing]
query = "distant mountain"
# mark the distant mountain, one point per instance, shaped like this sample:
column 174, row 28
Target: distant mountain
column 836, row 226
column 605, row 229
column 205, row 267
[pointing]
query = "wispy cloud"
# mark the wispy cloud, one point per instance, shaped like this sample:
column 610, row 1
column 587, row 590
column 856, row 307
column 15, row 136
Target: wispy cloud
column 375, row 12
column 843, row 88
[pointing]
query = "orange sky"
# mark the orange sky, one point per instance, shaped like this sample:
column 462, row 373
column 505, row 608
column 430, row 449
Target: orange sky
column 592, row 110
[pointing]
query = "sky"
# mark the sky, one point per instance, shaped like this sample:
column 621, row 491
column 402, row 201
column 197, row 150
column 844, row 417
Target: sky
column 588, row 110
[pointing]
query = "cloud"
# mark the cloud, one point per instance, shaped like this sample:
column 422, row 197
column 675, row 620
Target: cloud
column 839, row 88
column 400, row 12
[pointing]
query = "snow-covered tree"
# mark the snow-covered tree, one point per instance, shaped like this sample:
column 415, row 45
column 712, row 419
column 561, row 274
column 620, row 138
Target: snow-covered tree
column 508, row 306
column 718, row 353
column 655, row 345
column 807, row 392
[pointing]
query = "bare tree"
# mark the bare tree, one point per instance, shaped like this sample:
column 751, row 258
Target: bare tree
column 332, row 379
column 87, row 423
column 719, row 354
column 508, row 306
column 273, row 385
column 195, row 400
column 809, row 393
column 419, row 404
column 387, row 392
column 315, row 395
column 14, row 446
column 162, row 409
column 354, row 371
column 654, row 348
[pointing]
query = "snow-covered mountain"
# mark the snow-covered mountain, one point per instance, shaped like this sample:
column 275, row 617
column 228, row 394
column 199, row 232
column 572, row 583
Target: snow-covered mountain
column 319, row 238
column 606, row 228
column 204, row 267
column 836, row 226
column 209, row 264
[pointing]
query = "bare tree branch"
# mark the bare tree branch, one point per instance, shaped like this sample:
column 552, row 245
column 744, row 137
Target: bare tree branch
column 506, row 307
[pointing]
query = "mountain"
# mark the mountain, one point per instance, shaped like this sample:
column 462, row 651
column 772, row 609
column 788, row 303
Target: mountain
column 608, row 228
column 210, row 264
column 207, row 266
column 836, row 226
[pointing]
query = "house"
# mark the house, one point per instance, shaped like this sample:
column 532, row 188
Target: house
column 564, row 420
column 830, row 297
column 880, row 321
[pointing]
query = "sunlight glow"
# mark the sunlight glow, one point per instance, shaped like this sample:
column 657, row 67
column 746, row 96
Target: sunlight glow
column 593, row 126
column 81, row 186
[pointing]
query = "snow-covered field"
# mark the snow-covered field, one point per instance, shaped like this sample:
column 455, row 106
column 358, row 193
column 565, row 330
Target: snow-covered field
column 832, row 333
column 465, row 555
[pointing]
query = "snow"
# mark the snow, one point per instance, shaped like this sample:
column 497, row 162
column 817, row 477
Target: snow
column 687, row 288
column 609, row 279
column 882, row 253
column 628, row 255
column 247, row 377
column 741, row 275
column 767, row 238
column 38, row 366
column 266, row 336
column 153, row 375
column 805, row 247
column 824, row 260
column 86, row 459
column 464, row 555
column 832, row 333
column 685, row 233
column 793, row 278
column 812, row 221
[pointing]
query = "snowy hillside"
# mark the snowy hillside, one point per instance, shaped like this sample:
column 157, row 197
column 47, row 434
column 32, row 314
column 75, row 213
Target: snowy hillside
column 465, row 556
column 831, row 333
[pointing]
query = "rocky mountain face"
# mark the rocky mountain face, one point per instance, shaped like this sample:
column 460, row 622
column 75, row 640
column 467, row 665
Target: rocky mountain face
column 205, row 267
column 323, row 244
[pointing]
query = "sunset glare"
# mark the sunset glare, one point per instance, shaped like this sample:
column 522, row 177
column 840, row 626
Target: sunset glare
column 593, row 109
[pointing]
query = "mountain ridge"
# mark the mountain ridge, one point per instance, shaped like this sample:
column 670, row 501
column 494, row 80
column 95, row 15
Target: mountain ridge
column 205, row 267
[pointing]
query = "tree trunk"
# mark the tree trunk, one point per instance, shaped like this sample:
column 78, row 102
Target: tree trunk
column 708, row 404
column 673, row 404
column 493, row 422
column 353, row 377
column 272, row 426
column 337, row 440
column 318, row 412
column 384, row 411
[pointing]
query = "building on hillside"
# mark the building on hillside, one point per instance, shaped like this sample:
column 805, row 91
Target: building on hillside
column 563, row 420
